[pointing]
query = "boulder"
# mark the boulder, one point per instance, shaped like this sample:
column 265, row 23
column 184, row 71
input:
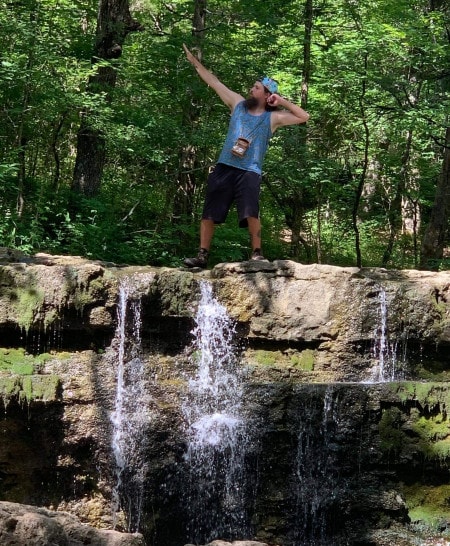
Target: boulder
column 32, row 526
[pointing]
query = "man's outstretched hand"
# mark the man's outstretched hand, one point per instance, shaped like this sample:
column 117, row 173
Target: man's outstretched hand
column 189, row 55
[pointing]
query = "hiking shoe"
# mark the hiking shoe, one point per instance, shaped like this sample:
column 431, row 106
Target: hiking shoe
column 201, row 260
column 257, row 256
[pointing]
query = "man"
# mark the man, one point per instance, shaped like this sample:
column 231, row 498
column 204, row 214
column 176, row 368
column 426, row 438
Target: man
column 237, row 174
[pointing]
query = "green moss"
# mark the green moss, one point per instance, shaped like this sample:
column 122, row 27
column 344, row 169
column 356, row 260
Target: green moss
column 50, row 317
column 404, row 391
column 41, row 387
column 97, row 286
column 434, row 436
column 304, row 360
column 23, row 368
column 19, row 377
column 9, row 387
column 28, row 302
column 427, row 394
column 27, row 388
column 81, row 299
column 266, row 358
column 44, row 357
column 17, row 361
column 428, row 505
column 424, row 428
column 392, row 438
column 30, row 387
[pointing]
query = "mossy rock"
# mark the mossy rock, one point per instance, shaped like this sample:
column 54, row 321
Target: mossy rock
column 304, row 360
column 301, row 360
column 417, row 422
column 428, row 395
column 428, row 505
column 17, row 361
column 45, row 388
column 267, row 358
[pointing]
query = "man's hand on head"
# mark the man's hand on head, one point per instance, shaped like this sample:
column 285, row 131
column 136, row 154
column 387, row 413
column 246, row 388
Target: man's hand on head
column 273, row 99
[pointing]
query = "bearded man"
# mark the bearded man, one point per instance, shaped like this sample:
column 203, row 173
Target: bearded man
column 236, row 178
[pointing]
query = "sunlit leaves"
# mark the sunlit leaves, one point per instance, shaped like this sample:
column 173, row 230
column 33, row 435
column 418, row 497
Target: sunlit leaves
column 378, row 61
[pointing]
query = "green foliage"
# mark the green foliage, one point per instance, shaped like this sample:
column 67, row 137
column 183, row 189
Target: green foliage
column 376, row 68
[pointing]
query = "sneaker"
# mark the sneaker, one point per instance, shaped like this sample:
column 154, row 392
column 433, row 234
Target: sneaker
column 201, row 260
column 257, row 256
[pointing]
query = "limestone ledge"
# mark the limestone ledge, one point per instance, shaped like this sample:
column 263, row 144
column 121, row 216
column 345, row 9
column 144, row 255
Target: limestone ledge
column 33, row 526
column 280, row 300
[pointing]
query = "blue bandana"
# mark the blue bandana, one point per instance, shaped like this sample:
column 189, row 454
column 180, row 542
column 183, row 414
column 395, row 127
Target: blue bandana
column 269, row 84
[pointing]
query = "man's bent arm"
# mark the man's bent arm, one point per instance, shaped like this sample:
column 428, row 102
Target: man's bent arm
column 291, row 115
column 229, row 97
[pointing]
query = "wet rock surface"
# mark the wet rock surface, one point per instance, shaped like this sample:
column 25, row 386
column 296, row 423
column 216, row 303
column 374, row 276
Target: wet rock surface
column 371, row 455
column 234, row 543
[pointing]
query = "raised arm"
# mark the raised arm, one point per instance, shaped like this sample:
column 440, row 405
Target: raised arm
column 290, row 115
column 229, row 97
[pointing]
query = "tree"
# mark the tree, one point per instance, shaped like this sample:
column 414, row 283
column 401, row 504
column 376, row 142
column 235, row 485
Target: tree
column 114, row 23
column 436, row 233
column 184, row 198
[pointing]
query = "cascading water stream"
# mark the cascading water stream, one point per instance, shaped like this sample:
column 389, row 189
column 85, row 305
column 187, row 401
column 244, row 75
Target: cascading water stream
column 216, row 432
column 130, row 417
column 317, row 480
column 384, row 349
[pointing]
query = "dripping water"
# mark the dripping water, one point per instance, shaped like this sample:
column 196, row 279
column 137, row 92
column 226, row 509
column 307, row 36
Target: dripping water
column 384, row 349
column 217, row 440
column 131, row 416
column 316, row 479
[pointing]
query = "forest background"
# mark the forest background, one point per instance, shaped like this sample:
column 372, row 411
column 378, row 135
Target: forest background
column 107, row 133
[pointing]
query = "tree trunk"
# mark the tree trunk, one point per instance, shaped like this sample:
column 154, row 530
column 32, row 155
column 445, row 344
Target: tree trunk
column 184, row 199
column 114, row 22
column 297, row 208
column 22, row 136
column 365, row 166
column 395, row 210
column 437, row 230
column 436, row 233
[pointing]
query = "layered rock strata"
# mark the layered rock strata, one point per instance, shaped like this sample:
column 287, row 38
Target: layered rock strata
column 312, row 339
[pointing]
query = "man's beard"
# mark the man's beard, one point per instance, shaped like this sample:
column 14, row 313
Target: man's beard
column 251, row 102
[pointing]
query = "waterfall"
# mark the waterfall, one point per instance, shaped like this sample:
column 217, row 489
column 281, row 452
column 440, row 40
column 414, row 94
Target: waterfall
column 130, row 417
column 317, row 483
column 384, row 350
column 216, row 432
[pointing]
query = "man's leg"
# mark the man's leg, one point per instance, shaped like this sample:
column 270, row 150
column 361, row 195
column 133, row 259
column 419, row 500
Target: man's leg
column 206, row 235
column 254, row 228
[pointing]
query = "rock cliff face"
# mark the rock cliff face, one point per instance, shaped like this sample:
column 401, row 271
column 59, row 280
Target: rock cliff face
column 345, row 382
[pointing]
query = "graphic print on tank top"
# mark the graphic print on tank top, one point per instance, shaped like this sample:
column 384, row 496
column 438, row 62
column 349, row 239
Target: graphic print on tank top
column 256, row 129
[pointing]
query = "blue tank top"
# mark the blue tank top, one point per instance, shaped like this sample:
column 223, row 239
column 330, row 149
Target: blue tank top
column 256, row 129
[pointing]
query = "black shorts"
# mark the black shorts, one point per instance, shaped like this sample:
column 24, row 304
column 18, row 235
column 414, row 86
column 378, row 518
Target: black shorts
column 226, row 185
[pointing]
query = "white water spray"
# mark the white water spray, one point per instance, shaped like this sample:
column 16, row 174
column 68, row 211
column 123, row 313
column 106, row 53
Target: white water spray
column 384, row 350
column 216, row 430
column 130, row 417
